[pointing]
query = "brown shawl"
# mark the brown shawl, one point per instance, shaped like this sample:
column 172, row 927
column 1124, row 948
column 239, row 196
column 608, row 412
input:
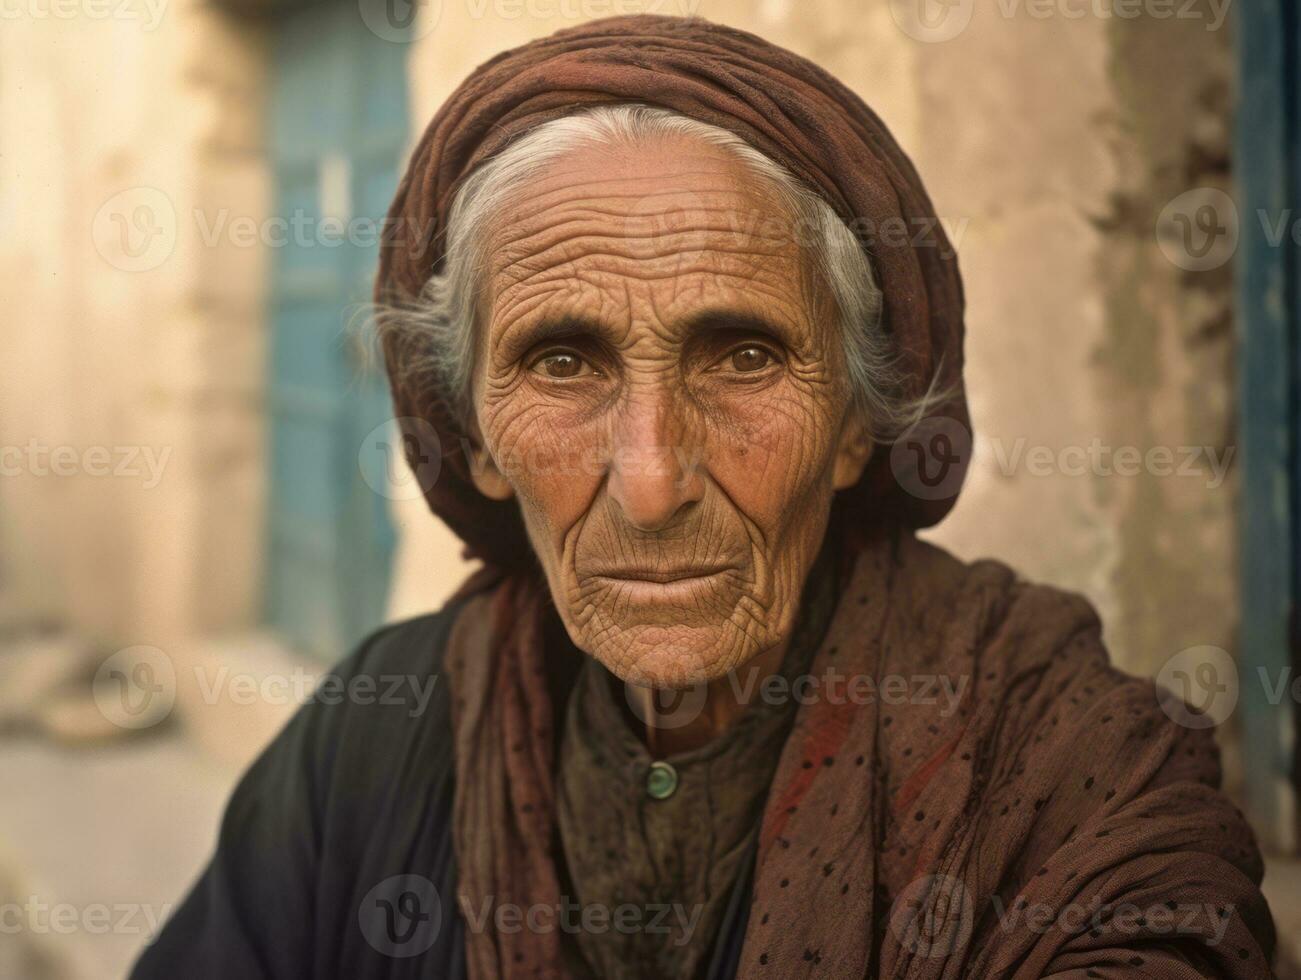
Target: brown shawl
column 1056, row 823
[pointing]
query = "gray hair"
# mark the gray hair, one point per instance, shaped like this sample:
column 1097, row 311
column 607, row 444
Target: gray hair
column 441, row 322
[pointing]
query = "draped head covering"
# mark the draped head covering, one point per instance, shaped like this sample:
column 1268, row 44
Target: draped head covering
column 900, row 840
column 781, row 104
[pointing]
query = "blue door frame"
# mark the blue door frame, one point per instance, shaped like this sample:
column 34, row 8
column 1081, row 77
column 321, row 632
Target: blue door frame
column 338, row 131
column 1268, row 277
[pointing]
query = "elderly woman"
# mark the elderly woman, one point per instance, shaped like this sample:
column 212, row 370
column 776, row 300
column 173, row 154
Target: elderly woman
column 659, row 297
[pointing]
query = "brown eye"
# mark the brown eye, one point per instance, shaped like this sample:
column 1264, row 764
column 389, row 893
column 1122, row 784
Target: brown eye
column 561, row 364
column 750, row 359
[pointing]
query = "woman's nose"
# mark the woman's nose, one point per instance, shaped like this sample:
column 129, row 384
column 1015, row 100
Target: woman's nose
column 653, row 468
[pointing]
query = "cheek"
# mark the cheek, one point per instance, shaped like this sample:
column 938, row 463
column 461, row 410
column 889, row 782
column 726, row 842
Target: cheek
column 772, row 457
column 551, row 456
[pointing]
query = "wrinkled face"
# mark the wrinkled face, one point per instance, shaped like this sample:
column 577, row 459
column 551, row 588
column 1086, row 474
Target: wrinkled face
column 660, row 383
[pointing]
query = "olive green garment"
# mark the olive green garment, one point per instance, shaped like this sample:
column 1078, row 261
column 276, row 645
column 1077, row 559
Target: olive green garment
column 653, row 872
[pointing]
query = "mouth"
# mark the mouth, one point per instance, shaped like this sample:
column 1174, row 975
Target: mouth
column 664, row 588
column 662, row 576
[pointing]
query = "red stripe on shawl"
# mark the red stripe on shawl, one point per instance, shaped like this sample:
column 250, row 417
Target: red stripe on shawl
column 914, row 784
column 826, row 737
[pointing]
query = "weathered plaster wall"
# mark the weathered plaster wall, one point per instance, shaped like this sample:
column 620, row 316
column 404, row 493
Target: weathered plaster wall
column 1167, row 366
column 126, row 339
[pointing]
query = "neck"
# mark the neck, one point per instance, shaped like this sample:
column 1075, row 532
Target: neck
column 725, row 698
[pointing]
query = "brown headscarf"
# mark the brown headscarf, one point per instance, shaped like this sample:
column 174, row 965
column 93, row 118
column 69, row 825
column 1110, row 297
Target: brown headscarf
column 784, row 106
column 1054, row 822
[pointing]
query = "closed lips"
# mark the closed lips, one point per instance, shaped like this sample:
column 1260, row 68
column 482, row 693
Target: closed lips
column 660, row 575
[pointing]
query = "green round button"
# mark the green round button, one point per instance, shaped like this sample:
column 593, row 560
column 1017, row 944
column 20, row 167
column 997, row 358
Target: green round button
column 661, row 780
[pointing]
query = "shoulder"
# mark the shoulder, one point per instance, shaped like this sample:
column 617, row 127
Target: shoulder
column 1028, row 660
column 411, row 646
column 378, row 706
column 983, row 614
column 1035, row 668
column 388, row 679
column 391, row 673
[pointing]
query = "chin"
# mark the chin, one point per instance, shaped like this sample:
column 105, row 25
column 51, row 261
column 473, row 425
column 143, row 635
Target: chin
column 672, row 657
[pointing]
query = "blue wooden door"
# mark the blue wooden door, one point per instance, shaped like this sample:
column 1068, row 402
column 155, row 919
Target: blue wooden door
column 1267, row 164
column 338, row 131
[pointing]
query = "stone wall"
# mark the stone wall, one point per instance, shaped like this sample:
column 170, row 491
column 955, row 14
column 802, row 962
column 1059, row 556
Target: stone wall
column 132, row 347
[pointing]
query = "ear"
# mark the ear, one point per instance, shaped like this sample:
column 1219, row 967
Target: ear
column 853, row 451
column 488, row 478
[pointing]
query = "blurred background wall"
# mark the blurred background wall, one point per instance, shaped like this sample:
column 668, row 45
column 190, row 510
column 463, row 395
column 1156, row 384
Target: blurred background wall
column 198, row 457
